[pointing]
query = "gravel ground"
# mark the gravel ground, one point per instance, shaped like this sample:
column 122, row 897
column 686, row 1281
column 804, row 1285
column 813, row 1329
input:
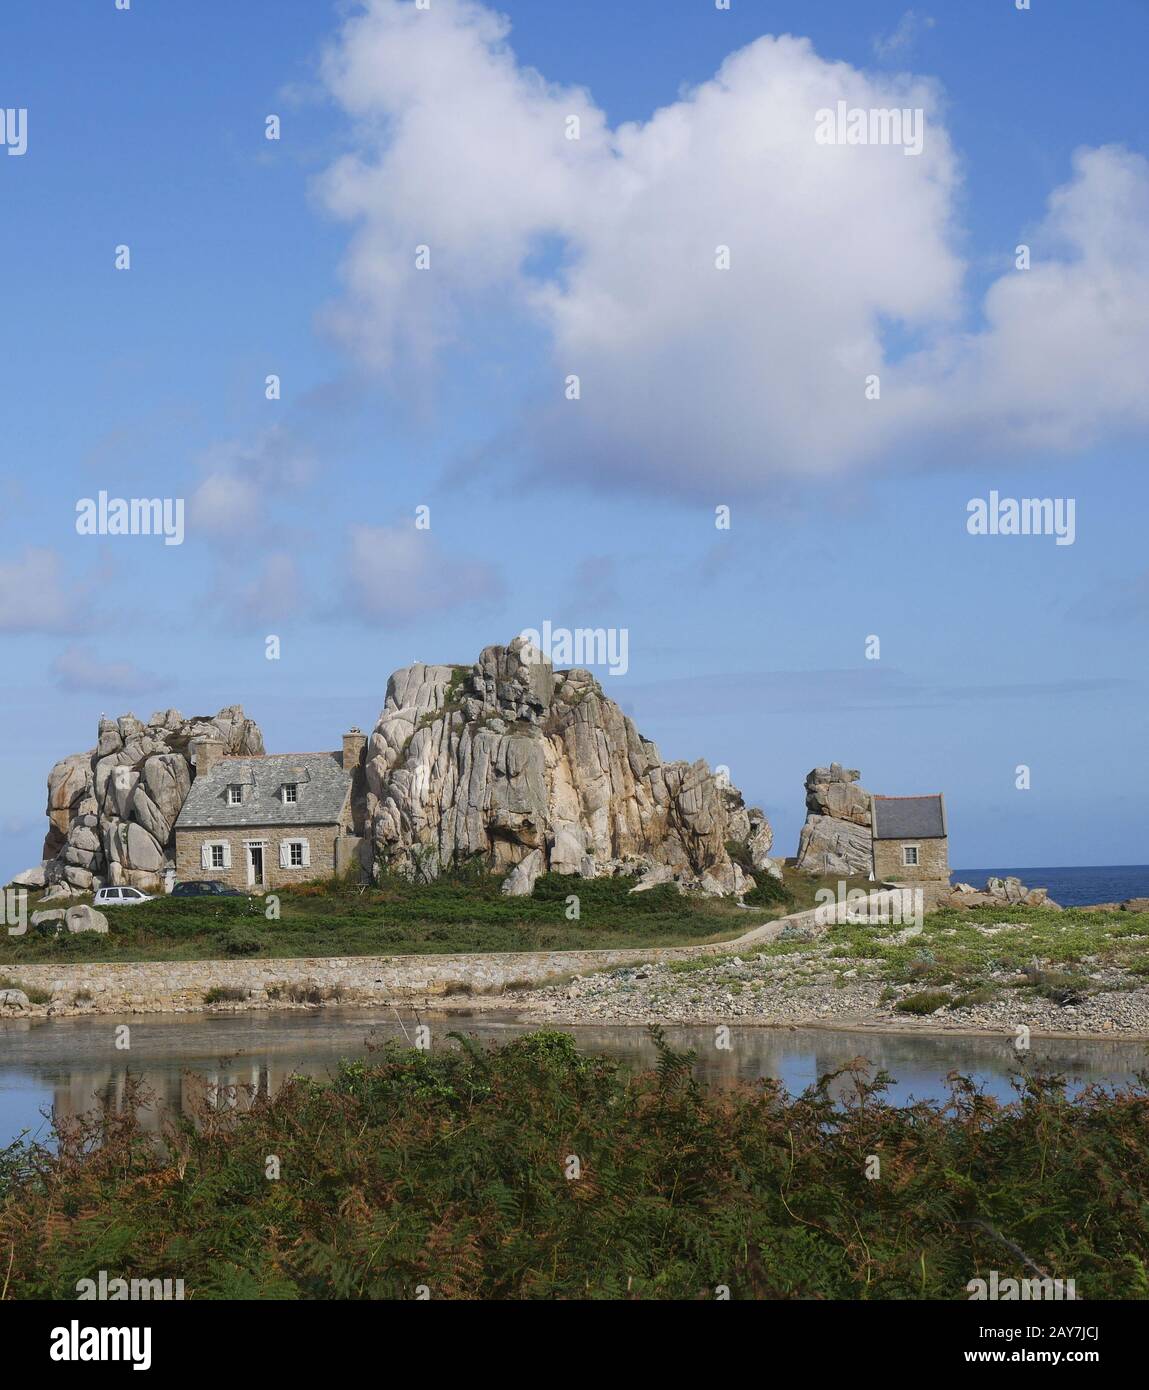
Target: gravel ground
column 808, row 988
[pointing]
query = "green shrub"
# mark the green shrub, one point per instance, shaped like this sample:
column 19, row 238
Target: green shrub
column 224, row 994
column 927, row 1001
column 1057, row 985
column 982, row 994
column 237, row 942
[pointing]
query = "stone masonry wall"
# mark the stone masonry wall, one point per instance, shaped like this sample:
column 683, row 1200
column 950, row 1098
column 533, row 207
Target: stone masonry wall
column 933, row 860
column 321, row 839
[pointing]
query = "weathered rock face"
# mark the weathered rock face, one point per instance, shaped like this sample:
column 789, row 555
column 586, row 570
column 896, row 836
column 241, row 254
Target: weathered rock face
column 834, row 791
column 836, row 837
column 111, row 810
column 533, row 769
column 829, row 846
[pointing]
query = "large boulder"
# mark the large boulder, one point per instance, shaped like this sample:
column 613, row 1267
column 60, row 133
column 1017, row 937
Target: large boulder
column 834, row 791
column 830, row 846
column 69, row 783
column 510, row 762
column 31, row 878
column 836, row 837
column 520, row 882
column 85, row 918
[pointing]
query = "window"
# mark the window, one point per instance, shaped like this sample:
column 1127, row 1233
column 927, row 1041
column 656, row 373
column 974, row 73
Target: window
column 290, row 793
column 910, row 856
column 294, row 854
column 217, row 856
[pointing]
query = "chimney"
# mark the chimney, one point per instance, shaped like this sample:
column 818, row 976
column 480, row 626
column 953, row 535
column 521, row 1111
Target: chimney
column 354, row 744
column 206, row 752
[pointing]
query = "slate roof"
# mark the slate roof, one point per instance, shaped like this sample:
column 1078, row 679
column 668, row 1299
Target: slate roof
column 323, row 789
column 908, row 818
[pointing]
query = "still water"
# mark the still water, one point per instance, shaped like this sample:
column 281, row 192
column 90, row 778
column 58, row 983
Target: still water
column 67, row 1066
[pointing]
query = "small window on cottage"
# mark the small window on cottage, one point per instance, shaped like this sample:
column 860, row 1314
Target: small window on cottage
column 910, row 856
column 217, row 857
column 290, row 793
column 295, row 854
column 234, row 794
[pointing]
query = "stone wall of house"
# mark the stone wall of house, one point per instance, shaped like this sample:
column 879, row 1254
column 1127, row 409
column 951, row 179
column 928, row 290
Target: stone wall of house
column 933, row 860
column 321, row 839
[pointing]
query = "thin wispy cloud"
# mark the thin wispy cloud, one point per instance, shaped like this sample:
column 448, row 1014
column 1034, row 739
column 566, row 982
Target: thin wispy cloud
column 80, row 670
column 397, row 575
column 36, row 596
column 901, row 39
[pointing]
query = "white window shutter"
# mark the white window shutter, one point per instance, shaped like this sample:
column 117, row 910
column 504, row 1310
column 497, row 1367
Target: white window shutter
column 306, row 853
column 205, row 855
column 227, row 854
column 284, row 854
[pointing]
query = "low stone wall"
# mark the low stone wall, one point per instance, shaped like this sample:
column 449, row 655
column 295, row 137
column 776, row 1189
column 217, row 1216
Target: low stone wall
column 175, row 986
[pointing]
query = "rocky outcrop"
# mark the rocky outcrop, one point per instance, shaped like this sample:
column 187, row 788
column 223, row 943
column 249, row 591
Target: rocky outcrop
column 836, row 836
column 527, row 769
column 111, row 811
column 998, row 892
column 834, row 791
column 830, row 846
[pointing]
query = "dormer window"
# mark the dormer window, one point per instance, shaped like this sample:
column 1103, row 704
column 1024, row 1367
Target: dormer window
column 290, row 793
column 234, row 794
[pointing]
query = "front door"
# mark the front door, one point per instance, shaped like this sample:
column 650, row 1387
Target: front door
column 255, row 866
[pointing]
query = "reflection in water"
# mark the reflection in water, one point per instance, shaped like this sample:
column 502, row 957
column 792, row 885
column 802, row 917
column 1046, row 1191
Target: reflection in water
column 68, row 1067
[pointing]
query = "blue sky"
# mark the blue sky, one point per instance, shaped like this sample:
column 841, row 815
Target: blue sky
column 703, row 388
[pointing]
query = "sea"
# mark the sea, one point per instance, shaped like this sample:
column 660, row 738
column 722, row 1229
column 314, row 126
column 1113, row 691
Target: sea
column 1072, row 886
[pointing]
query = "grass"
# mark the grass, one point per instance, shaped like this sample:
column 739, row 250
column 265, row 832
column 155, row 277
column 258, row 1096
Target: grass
column 966, row 959
column 460, row 913
column 961, row 949
column 449, row 1170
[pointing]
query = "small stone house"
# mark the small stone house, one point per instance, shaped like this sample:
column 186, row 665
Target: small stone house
column 910, row 841
column 272, row 820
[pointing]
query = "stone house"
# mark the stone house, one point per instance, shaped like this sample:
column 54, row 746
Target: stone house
column 271, row 820
column 910, row 841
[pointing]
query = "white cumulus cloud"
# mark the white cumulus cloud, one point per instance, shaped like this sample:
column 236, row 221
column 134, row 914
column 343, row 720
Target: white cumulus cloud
column 844, row 261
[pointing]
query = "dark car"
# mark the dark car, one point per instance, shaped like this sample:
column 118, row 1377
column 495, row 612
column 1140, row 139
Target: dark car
column 205, row 888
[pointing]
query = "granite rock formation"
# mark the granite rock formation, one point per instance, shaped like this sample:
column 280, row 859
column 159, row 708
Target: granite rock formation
column 836, row 836
column 526, row 769
column 998, row 892
column 111, row 810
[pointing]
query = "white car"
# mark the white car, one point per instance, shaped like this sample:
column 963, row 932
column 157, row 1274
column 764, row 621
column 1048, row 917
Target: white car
column 120, row 897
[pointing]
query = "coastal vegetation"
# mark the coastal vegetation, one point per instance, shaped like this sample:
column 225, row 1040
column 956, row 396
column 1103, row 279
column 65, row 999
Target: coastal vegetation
column 466, row 911
column 987, row 968
column 532, row 1171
